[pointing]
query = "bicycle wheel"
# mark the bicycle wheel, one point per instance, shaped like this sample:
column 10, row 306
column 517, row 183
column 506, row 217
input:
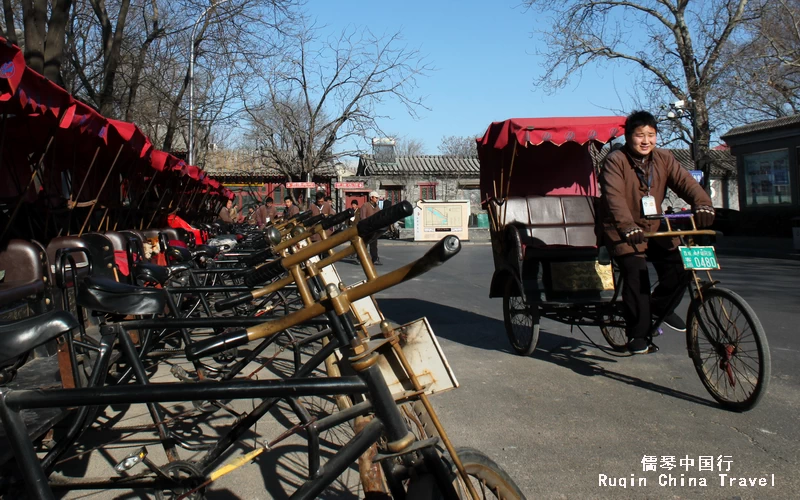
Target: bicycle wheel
column 489, row 480
column 729, row 349
column 521, row 321
column 613, row 330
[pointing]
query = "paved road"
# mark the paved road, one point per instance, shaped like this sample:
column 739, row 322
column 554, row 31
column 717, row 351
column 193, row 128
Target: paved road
column 567, row 415
column 556, row 420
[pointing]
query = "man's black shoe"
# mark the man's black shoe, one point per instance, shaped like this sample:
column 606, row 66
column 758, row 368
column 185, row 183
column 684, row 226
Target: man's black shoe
column 638, row 346
column 377, row 263
column 675, row 322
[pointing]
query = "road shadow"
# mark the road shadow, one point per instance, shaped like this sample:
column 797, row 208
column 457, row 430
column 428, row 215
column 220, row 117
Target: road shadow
column 487, row 333
column 460, row 326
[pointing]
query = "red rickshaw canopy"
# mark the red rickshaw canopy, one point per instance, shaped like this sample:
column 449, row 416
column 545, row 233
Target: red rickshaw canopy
column 535, row 131
column 553, row 157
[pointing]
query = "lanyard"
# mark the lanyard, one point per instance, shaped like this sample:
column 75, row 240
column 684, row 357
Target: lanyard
column 649, row 181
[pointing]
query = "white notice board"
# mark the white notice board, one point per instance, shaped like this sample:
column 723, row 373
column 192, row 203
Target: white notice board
column 433, row 220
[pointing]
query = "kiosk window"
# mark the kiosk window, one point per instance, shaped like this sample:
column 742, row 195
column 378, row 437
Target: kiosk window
column 767, row 178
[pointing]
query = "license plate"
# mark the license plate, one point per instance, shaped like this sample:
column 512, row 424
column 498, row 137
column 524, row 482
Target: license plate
column 699, row 258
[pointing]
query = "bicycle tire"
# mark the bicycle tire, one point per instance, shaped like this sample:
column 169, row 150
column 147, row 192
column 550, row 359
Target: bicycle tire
column 521, row 324
column 701, row 319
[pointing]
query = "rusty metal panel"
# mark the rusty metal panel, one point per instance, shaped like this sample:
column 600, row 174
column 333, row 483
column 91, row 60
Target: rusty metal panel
column 425, row 356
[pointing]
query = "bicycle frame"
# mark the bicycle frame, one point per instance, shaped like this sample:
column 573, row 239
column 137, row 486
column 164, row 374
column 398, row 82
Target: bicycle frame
column 363, row 357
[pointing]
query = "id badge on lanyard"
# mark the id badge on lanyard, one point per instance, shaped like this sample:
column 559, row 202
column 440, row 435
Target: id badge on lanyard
column 649, row 202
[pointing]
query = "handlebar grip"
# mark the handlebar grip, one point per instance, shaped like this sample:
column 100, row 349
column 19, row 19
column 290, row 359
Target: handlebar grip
column 230, row 302
column 384, row 218
column 340, row 218
column 300, row 217
column 439, row 253
column 264, row 273
column 313, row 221
column 216, row 344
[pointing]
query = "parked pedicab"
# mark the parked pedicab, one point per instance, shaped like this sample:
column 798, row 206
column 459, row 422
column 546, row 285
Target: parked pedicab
column 539, row 185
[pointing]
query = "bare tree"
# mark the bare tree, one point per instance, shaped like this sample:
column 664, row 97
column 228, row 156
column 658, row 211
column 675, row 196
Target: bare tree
column 454, row 145
column 765, row 81
column 323, row 93
column 676, row 44
column 409, row 147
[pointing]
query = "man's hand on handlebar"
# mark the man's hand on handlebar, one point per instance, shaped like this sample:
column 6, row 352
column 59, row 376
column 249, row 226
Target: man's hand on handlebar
column 703, row 216
column 634, row 236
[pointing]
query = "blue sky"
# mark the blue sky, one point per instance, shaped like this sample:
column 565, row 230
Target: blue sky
column 484, row 52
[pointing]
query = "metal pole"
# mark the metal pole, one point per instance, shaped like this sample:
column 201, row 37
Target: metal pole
column 191, row 79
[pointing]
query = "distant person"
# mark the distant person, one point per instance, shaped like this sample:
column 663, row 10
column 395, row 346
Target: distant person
column 251, row 216
column 356, row 212
column 369, row 209
column 320, row 206
column 270, row 212
column 291, row 209
column 227, row 212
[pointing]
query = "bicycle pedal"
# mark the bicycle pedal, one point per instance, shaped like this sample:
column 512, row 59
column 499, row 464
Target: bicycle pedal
column 181, row 374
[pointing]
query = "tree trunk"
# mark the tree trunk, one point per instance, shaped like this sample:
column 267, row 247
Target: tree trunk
column 173, row 115
column 113, row 44
column 54, row 42
column 701, row 140
column 139, row 64
column 8, row 12
column 34, row 17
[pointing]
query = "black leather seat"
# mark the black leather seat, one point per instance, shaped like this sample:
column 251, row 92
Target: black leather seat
column 20, row 337
column 26, row 274
column 147, row 273
column 81, row 262
column 98, row 294
column 102, row 251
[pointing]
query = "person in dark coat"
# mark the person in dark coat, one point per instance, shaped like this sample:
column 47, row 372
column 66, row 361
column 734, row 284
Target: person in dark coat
column 633, row 183
column 368, row 209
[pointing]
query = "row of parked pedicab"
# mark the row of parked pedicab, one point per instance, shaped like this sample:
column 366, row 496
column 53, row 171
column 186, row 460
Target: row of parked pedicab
column 107, row 320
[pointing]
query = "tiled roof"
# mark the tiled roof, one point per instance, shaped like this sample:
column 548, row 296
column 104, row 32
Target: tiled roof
column 763, row 125
column 723, row 163
column 421, row 165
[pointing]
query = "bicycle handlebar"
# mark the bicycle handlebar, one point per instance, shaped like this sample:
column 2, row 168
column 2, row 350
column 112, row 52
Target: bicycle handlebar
column 384, row 218
column 688, row 232
column 442, row 251
column 336, row 219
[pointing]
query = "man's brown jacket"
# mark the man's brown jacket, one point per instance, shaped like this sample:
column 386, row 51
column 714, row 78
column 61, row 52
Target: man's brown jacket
column 622, row 190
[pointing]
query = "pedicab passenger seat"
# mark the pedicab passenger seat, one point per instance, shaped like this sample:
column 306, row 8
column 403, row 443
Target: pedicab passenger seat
column 104, row 295
column 558, row 232
column 554, row 227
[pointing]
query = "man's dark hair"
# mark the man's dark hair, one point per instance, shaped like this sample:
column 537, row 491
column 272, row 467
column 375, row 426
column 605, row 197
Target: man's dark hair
column 320, row 195
column 269, row 200
column 287, row 198
column 354, row 202
column 639, row 119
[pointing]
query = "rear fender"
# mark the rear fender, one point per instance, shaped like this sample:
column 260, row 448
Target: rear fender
column 499, row 280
